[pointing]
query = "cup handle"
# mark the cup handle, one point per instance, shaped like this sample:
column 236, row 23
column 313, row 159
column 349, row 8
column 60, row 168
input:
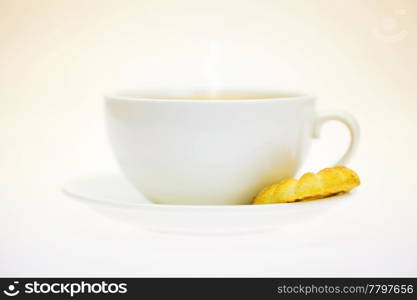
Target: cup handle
column 349, row 121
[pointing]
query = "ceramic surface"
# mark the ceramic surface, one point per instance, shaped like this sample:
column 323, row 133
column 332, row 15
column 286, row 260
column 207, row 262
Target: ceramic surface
column 113, row 196
column 178, row 151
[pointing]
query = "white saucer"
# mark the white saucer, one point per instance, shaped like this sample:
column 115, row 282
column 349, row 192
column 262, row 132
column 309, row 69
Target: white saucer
column 112, row 195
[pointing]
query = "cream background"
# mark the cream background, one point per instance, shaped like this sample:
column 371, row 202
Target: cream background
column 58, row 57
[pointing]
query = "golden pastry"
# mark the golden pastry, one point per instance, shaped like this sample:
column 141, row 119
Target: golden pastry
column 327, row 182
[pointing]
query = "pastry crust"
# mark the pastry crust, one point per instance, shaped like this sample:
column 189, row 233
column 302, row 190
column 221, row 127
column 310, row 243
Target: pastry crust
column 325, row 183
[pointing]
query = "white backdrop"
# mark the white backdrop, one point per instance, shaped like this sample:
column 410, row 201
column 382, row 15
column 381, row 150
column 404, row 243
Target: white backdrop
column 58, row 57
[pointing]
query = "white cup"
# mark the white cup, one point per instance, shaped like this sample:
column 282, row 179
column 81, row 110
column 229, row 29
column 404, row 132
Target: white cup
column 176, row 150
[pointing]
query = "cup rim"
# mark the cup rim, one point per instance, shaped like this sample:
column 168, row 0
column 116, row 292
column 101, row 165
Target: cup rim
column 264, row 95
